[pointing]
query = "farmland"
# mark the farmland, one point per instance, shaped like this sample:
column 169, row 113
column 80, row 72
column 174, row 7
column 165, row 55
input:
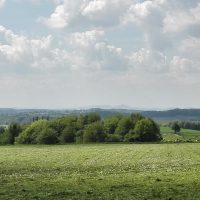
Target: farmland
column 100, row 171
column 185, row 135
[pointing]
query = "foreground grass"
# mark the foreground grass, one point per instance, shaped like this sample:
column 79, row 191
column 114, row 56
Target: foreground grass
column 106, row 171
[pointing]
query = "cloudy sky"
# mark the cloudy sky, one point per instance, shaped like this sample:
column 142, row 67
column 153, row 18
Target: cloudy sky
column 64, row 53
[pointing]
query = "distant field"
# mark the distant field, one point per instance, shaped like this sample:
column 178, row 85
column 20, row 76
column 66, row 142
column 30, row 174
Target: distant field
column 101, row 171
column 185, row 134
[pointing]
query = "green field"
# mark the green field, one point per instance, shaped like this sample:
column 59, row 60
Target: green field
column 100, row 171
column 184, row 135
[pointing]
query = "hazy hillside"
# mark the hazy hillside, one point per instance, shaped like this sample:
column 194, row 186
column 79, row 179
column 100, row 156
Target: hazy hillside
column 26, row 115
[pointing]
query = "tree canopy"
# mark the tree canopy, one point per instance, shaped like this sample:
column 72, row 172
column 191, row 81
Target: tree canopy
column 84, row 129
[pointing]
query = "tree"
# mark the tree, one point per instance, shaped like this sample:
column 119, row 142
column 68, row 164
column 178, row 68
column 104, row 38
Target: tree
column 68, row 134
column 2, row 129
column 31, row 133
column 110, row 124
column 124, row 126
column 175, row 127
column 13, row 131
column 136, row 117
column 94, row 133
column 47, row 136
column 147, row 130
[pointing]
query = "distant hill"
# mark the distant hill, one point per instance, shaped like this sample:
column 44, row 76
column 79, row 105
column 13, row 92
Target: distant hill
column 8, row 115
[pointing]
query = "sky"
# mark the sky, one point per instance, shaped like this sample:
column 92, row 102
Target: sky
column 70, row 54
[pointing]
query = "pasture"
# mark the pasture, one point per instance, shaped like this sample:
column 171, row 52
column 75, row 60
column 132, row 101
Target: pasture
column 184, row 135
column 100, row 171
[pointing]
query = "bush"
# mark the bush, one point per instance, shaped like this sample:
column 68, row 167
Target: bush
column 147, row 130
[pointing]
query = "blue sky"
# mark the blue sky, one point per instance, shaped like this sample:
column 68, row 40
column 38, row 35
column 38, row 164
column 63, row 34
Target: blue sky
column 68, row 54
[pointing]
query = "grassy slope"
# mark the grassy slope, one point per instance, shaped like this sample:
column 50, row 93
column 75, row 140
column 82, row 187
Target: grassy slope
column 121, row 171
column 184, row 135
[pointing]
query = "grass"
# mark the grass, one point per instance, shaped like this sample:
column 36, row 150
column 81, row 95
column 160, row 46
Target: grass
column 100, row 171
column 184, row 135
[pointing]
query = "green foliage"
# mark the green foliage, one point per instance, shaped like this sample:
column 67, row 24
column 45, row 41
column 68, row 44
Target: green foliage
column 13, row 131
column 94, row 133
column 110, row 124
column 147, row 130
column 4, row 138
column 93, row 117
column 136, row 117
column 124, row 125
column 175, row 127
column 32, row 133
column 68, row 134
column 47, row 136
column 82, row 129
column 113, row 138
column 79, row 136
column 2, row 129
column 131, row 136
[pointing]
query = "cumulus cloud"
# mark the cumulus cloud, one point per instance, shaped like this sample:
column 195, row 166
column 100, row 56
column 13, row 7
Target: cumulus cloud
column 147, row 60
column 92, row 52
column 94, row 12
column 177, row 20
column 23, row 52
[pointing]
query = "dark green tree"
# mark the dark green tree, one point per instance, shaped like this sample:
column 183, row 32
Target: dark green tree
column 175, row 127
column 147, row 130
column 110, row 124
column 68, row 134
column 47, row 136
column 124, row 126
column 13, row 131
column 94, row 133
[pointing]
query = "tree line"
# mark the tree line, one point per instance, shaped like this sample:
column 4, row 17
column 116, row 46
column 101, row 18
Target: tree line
column 193, row 125
column 88, row 128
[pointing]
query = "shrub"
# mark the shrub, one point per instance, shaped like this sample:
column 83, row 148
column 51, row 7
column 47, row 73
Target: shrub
column 147, row 130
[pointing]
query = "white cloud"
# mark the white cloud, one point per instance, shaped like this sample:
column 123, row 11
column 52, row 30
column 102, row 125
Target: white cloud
column 177, row 20
column 90, row 51
column 63, row 15
column 94, row 12
column 23, row 52
column 184, row 66
column 147, row 60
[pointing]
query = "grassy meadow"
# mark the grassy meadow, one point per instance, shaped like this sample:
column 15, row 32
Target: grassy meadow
column 185, row 135
column 100, row 171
